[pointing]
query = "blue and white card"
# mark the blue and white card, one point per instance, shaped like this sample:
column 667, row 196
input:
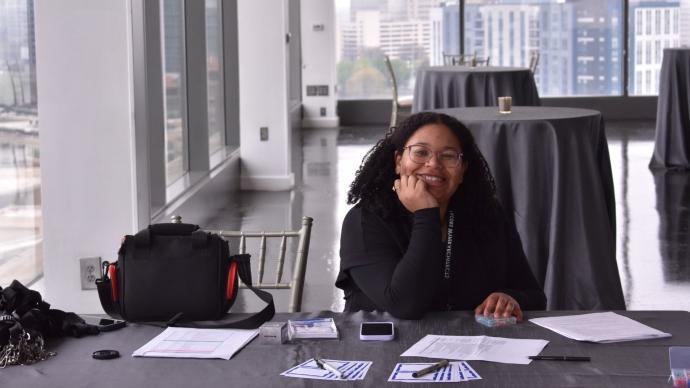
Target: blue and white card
column 351, row 370
column 454, row 372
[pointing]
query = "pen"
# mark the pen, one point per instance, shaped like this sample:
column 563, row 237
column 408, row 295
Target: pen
column 324, row 365
column 430, row 368
column 559, row 358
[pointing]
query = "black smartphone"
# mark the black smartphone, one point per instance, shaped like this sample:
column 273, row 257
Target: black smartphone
column 104, row 324
column 376, row 331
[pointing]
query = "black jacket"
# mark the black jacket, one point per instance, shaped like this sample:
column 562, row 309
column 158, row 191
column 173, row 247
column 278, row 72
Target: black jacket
column 396, row 264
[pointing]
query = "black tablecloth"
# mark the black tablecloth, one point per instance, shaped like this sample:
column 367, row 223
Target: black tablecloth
column 553, row 172
column 461, row 86
column 625, row 364
column 673, row 207
column 672, row 142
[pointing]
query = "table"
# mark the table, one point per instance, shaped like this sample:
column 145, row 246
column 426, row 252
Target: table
column 463, row 86
column 672, row 141
column 553, row 173
column 672, row 189
column 625, row 364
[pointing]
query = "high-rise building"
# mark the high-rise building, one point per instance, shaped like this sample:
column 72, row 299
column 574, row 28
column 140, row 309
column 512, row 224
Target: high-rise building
column 654, row 26
column 18, row 54
column 598, row 48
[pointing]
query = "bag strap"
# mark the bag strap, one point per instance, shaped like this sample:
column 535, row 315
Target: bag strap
column 143, row 237
column 251, row 322
column 105, row 293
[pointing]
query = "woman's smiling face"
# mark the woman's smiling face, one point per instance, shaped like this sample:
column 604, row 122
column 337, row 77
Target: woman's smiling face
column 441, row 180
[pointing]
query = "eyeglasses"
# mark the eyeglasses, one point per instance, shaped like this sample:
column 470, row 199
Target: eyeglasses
column 421, row 154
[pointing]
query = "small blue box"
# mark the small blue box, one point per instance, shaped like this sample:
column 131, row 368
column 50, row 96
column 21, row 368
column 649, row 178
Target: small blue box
column 679, row 358
column 490, row 321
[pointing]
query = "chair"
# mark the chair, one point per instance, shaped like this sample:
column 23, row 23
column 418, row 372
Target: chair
column 534, row 61
column 483, row 61
column 452, row 59
column 473, row 60
column 402, row 108
column 296, row 285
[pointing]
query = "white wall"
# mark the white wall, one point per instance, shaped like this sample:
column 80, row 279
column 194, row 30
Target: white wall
column 86, row 136
column 318, row 32
column 263, row 61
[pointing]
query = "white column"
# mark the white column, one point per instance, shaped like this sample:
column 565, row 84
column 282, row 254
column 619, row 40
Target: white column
column 84, row 64
column 263, row 59
column 318, row 32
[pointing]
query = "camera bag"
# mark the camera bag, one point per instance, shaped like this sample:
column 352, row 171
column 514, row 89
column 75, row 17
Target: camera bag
column 177, row 274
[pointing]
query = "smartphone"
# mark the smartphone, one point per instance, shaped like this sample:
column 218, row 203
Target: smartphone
column 104, row 324
column 376, row 331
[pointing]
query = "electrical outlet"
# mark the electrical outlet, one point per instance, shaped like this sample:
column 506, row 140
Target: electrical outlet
column 322, row 111
column 263, row 133
column 89, row 271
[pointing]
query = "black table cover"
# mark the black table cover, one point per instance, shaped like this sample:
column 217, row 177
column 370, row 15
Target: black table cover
column 462, row 86
column 624, row 364
column 672, row 142
column 553, row 173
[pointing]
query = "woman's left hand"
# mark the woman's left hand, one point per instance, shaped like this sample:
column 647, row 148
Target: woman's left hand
column 499, row 304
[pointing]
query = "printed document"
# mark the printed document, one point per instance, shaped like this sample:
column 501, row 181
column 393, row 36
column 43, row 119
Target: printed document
column 599, row 327
column 454, row 372
column 180, row 342
column 485, row 348
column 351, row 370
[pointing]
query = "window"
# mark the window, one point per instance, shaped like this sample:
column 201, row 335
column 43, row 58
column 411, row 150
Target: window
column 20, row 176
column 582, row 29
column 368, row 30
column 214, row 76
column 657, row 21
column 565, row 32
column 174, row 88
column 667, row 21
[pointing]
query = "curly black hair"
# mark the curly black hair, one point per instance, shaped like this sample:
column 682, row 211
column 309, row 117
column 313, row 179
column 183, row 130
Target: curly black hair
column 375, row 176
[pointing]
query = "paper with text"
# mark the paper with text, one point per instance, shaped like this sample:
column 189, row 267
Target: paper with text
column 351, row 370
column 599, row 327
column 496, row 349
column 454, row 372
column 180, row 342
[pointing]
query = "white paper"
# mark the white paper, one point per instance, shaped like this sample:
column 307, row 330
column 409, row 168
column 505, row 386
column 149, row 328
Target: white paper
column 599, row 327
column 180, row 342
column 454, row 372
column 351, row 370
column 496, row 349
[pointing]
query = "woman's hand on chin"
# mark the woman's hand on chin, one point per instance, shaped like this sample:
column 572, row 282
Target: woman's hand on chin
column 499, row 304
column 413, row 194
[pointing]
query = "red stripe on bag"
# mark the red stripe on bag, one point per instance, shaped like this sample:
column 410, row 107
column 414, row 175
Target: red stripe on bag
column 112, row 274
column 232, row 274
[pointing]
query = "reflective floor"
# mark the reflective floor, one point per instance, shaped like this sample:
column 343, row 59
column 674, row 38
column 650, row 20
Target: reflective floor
column 652, row 211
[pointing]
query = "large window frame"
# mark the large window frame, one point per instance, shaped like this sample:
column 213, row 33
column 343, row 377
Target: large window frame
column 156, row 195
column 623, row 105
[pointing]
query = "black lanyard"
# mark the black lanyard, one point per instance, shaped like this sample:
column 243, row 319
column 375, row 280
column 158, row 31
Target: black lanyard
column 449, row 255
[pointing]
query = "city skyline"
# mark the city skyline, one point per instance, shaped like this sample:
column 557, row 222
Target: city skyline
column 580, row 42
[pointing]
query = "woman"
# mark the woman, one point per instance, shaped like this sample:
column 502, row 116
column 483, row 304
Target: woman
column 427, row 232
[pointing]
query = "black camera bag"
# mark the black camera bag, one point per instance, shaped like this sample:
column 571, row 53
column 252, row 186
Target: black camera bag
column 178, row 274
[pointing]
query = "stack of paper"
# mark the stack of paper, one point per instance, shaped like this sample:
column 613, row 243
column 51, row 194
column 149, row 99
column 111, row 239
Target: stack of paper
column 496, row 349
column 599, row 327
column 182, row 342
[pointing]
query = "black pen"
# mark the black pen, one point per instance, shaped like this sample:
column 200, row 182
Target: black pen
column 430, row 368
column 560, row 358
column 326, row 366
